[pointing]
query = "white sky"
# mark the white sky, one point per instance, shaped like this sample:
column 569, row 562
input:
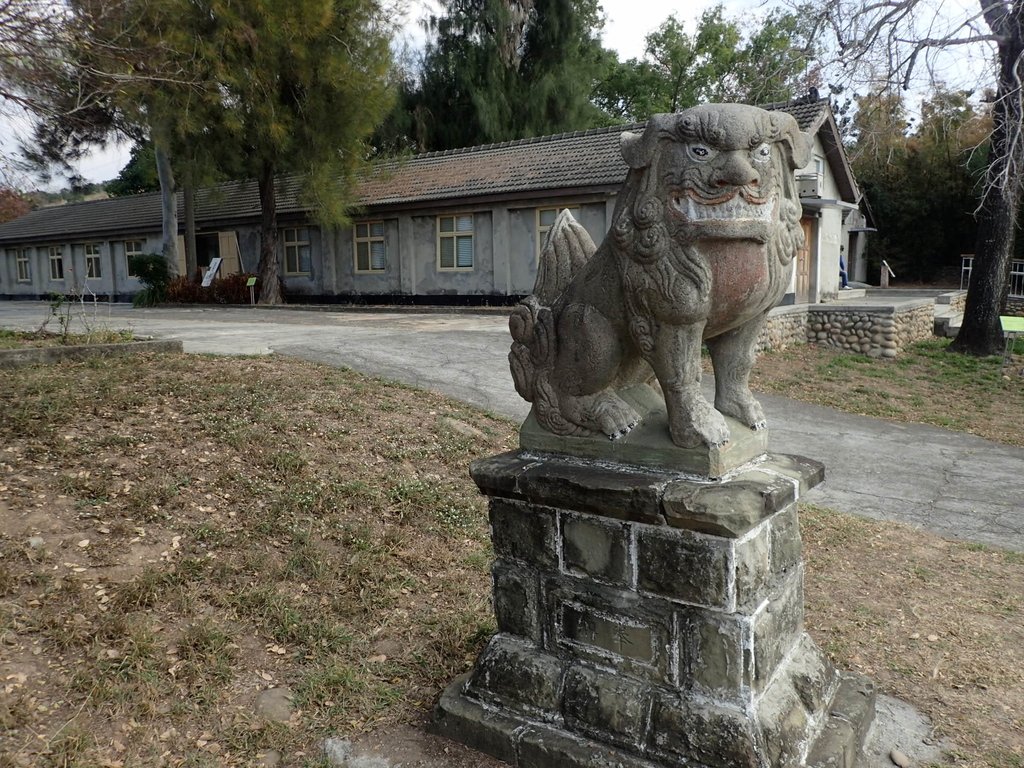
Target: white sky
column 627, row 23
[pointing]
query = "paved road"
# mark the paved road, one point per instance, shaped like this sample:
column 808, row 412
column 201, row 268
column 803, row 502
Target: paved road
column 954, row 484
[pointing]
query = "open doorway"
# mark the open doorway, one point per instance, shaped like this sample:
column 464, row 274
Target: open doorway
column 207, row 249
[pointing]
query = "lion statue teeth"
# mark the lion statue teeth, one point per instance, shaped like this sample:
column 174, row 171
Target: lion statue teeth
column 701, row 246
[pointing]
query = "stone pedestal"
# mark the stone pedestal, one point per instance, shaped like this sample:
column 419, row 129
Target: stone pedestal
column 646, row 618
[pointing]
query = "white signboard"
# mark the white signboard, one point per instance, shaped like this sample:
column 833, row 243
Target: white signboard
column 211, row 271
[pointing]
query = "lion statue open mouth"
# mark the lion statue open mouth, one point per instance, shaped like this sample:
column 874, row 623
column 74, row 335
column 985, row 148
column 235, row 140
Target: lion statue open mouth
column 701, row 248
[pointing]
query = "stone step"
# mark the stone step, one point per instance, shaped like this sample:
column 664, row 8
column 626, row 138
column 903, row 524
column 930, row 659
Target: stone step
column 947, row 322
column 846, row 294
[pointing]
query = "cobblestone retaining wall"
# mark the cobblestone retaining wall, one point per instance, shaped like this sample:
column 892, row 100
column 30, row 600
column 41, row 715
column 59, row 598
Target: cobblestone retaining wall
column 786, row 326
column 872, row 331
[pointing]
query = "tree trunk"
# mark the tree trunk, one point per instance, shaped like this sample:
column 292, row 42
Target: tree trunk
column 980, row 333
column 168, row 207
column 270, row 289
column 191, row 256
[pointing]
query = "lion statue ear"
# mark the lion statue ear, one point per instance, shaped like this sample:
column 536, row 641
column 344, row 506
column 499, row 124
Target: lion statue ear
column 797, row 143
column 638, row 148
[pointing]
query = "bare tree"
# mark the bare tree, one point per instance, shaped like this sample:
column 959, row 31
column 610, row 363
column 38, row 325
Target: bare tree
column 891, row 43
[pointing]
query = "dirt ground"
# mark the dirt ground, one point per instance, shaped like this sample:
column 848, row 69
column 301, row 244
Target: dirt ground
column 180, row 535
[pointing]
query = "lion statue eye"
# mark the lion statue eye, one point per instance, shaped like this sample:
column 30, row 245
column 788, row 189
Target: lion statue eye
column 700, row 152
column 761, row 153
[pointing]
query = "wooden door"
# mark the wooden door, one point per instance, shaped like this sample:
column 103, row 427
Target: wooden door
column 803, row 262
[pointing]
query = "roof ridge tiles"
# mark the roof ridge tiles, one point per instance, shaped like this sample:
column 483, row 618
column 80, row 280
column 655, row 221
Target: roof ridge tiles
column 604, row 129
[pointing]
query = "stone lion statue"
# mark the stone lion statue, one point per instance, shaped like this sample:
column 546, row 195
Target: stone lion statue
column 701, row 247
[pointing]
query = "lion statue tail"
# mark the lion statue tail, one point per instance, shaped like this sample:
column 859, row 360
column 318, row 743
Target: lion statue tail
column 567, row 248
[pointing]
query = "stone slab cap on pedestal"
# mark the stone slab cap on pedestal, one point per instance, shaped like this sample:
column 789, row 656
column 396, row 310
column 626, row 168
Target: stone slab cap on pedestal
column 649, row 444
column 729, row 507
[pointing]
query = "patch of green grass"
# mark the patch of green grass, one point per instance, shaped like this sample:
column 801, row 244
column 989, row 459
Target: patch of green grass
column 68, row 746
column 124, row 668
column 307, row 561
column 289, row 620
column 160, row 585
column 207, row 655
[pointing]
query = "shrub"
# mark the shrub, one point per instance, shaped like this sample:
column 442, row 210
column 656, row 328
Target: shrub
column 154, row 274
column 230, row 289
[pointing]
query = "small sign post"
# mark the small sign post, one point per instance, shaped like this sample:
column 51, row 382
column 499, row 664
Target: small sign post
column 251, row 282
column 886, row 274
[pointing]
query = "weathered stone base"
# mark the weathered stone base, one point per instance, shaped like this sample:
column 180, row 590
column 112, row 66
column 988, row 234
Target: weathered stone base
column 527, row 743
column 650, row 619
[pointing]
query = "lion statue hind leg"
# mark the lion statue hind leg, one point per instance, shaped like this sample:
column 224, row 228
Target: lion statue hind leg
column 587, row 366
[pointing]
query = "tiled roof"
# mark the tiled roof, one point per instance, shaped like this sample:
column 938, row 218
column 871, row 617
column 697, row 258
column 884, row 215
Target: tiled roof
column 141, row 213
column 579, row 160
column 135, row 213
column 566, row 160
column 809, row 112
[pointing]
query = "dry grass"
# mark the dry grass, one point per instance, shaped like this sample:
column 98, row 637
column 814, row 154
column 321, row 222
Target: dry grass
column 214, row 527
column 933, row 622
column 926, row 384
column 44, row 338
column 208, row 528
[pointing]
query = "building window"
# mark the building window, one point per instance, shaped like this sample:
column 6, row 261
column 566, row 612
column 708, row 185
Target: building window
column 546, row 219
column 93, row 270
column 370, row 251
column 56, row 262
column 131, row 248
column 455, row 242
column 23, row 263
column 296, row 251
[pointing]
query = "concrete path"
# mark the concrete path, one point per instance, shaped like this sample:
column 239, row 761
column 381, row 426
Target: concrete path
column 953, row 484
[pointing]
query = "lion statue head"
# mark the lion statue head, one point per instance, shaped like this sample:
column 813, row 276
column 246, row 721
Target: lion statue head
column 713, row 172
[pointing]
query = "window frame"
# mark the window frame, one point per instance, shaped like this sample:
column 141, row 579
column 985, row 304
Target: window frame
column 454, row 236
column 55, row 253
column 542, row 230
column 296, row 244
column 96, row 259
column 369, row 239
column 129, row 253
column 22, row 258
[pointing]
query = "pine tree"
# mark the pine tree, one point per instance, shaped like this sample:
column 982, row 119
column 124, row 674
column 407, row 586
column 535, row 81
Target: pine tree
column 304, row 84
column 507, row 69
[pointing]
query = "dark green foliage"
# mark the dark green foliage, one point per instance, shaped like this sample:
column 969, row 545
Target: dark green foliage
column 719, row 62
column 304, row 86
column 498, row 70
column 138, row 176
column 153, row 272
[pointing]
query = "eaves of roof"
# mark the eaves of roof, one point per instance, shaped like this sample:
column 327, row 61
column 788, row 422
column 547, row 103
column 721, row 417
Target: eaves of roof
column 814, row 116
column 838, row 161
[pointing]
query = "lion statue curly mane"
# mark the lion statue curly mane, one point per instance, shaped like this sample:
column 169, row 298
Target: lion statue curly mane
column 701, row 246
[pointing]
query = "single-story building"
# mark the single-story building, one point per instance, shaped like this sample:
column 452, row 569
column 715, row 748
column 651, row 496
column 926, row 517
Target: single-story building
column 462, row 225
